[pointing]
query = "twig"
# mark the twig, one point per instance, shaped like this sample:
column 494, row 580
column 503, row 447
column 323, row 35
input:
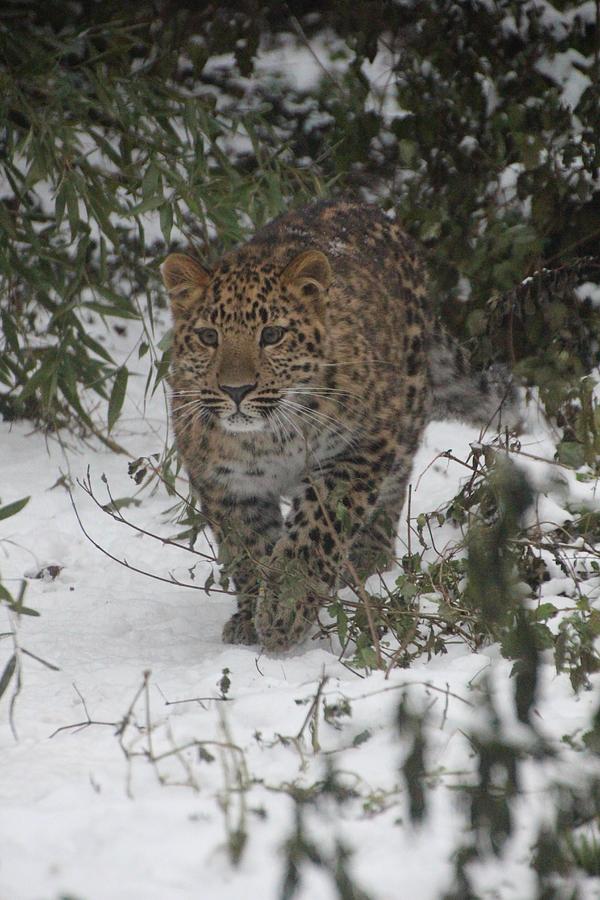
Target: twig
column 359, row 589
column 194, row 743
column 313, row 715
column 118, row 516
column 80, row 725
column 108, row 442
column 550, row 462
column 446, row 704
column 408, row 512
column 406, row 684
column 123, row 562
column 196, row 700
column 147, row 711
column 445, row 454
column 39, row 659
column 236, row 780
column 13, row 670
column 124, row 723
column 300, row 32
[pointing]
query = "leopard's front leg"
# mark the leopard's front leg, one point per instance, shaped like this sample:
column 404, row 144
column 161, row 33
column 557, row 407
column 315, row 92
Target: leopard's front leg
column 326, row 517
column 246, row 529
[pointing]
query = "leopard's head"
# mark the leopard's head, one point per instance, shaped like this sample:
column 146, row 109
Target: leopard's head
column 247, row 338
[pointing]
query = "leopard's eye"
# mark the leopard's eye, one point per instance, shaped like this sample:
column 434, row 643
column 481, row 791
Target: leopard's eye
column 208, row 336
column 272, row 334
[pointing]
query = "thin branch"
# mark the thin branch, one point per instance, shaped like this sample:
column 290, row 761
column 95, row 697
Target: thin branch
column 88, row 721
column 123, row 562
column 39, row 659
column 118, row 516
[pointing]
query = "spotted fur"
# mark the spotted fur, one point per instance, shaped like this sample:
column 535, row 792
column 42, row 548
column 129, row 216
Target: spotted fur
column 325, row 409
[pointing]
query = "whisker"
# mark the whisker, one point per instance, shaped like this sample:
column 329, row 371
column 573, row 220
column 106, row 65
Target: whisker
column 342, row 405
column 287, row 417
column 184, row 407
column 322, row 391
column 200, row 392
column 280, row 426
column 318, row 414
column 370, row 362
column 189, row 404
column 190, row 412
column 185, row 423
column 320, row 420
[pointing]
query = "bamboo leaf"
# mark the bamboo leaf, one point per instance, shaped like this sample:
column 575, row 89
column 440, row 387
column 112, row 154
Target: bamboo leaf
column 72, row 208
column 117, row 311
column 117, row 396
column 146, row 205
column 151, row 181
column 60, row 203
column 166, row 221
column 11, row 509
column 9, row 671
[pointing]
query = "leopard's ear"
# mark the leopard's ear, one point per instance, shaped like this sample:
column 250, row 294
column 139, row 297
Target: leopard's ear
column 184, row 278
column 309, row 273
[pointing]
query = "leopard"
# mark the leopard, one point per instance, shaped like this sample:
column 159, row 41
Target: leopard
column 305, row 365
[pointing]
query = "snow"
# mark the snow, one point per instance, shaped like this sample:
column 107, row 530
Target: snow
column 128, row 805
column 589, row 291
column 507, row 181
column 107, row 822
column 560, row 22
column 303, row 64
column 381, row 75
column 565, row 70
column 291, row 61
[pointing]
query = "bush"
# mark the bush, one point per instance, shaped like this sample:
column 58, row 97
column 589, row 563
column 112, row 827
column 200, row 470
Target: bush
column 99, row 134
column 479, row 125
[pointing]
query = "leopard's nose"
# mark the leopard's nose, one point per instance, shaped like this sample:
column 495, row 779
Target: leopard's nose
column 237, row 392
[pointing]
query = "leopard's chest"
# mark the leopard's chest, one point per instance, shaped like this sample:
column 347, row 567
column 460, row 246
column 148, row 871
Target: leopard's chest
column 265, row 468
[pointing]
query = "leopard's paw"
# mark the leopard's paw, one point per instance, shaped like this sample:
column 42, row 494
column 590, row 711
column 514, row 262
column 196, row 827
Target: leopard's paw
column 281, row 624
column 240, row 630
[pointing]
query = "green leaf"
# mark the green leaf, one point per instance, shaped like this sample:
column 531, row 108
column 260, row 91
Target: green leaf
column 95, row 346
column 166, row 340
column 9, row 671
column 60, row 202
column 361, row 738
column 150, row 181
column 121, row 503
column 117, row 311
column 338, row 612
column 544, row 639
column 10, row 331
column 162, row 368
column 367, row 658
column 27, row 611
column 98, row 205
column 594, row 622
column 11, row 509
column 117, row 396
column 571, row 453
column 43, row 374
column 72, row 208
column 146, row 205
column 544, row 612
column 67, row 383
column 408, row 152
column 166, row 221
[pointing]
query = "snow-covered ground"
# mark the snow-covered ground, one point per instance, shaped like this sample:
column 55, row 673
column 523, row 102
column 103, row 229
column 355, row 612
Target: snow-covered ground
column 131, row 770
column 147, row 801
